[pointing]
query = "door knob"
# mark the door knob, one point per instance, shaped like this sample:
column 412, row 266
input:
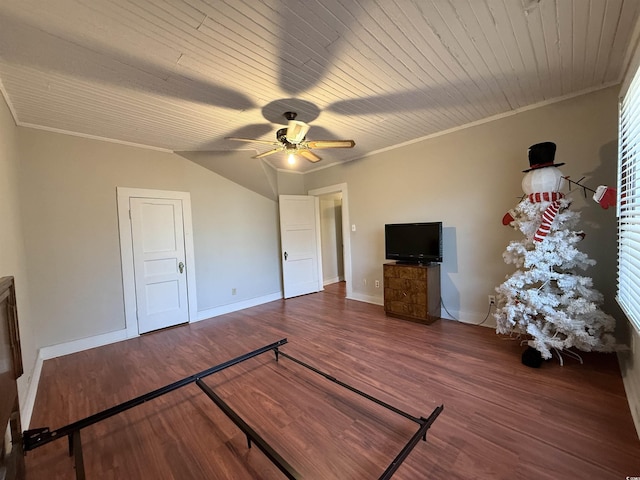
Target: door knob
column 285, row 256
column 181, row 267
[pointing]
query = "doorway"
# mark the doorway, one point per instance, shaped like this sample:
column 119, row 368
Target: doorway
column 156, row 247
column 330, row 208
column 335, row 234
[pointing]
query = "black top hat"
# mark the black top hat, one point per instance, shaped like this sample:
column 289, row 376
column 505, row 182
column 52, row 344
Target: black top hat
column 541, row 155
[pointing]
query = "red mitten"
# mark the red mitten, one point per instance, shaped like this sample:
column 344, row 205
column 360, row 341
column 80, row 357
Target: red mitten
column 605, row 196
column 508, row 217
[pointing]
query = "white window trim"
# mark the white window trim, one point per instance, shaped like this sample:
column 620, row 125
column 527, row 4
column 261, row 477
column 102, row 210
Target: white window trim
column 628, row 202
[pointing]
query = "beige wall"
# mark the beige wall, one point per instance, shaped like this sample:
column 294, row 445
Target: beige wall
column 290, row 183
column 12, row 251
column 237, row 240
column 468, row 179
column 68, row 197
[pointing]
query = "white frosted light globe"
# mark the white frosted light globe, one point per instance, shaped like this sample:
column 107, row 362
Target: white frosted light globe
column 546, row 179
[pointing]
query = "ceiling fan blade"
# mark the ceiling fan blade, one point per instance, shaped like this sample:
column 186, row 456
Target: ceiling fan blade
column 252, row 140
column 330, row 143
column 309, row 155
column 296, row 131
column 270, row 152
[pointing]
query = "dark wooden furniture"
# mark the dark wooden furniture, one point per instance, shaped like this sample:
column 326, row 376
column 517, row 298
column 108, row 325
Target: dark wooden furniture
column 11, row 456
column 412, row 291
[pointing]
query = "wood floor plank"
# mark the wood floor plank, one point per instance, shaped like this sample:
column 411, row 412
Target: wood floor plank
column 502, row 420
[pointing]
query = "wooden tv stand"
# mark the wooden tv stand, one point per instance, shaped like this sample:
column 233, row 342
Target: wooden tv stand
column 412, row 291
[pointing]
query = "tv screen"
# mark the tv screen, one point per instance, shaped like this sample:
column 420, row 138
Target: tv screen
column 413, row 242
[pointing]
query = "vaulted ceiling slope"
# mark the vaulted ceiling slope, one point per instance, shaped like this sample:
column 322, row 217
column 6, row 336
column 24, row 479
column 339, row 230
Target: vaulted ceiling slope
column 182, row 75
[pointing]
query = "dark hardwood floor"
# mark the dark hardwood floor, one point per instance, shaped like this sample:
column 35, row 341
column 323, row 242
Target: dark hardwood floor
column 501, row 420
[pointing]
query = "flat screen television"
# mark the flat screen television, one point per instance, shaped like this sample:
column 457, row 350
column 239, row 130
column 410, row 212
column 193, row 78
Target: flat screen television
column 413, row 242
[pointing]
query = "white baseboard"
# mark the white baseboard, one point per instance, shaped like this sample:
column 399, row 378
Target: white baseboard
column 26, row 409
column 234, row 307
column 81, row 344
column 329, row 281
column 633, row 397
column 67, row 348
column 366, row 298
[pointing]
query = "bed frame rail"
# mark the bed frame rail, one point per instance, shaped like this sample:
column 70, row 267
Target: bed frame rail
column 38, row 437
column 424, row 423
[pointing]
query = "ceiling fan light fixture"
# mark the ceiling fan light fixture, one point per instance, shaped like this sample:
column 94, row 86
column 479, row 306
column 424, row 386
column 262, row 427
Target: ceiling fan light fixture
column 292, row 141
column 296, row 131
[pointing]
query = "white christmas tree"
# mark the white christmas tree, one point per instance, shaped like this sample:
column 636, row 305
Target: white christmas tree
column 546, row 300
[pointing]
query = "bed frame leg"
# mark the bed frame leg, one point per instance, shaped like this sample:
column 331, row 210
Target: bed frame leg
column 78, row 458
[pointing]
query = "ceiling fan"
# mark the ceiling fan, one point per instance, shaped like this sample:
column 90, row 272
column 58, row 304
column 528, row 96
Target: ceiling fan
column 292, row 140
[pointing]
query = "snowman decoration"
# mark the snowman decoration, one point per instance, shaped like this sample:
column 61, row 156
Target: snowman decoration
column 542, row 184
column 546, row 301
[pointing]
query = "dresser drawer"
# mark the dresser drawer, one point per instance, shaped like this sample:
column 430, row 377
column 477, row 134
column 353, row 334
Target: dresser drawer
column 407, row 292
column 406, row 272
column 406, row 308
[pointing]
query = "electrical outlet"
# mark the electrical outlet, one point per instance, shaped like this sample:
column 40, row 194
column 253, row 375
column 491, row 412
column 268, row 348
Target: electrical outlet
column 377, row 283
column 233, row 291
column 364, row 281
column 492, row 299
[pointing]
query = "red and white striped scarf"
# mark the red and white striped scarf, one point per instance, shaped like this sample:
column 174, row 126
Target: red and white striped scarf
column 549, row 214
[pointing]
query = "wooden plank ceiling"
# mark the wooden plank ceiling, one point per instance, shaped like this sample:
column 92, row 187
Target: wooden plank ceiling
column 181, row 75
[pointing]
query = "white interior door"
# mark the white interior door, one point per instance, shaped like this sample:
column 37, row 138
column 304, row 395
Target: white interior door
column 299, row 232
column 159, row 263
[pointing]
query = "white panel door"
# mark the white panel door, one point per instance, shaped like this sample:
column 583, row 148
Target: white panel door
column 299, row 230
column 159, row 263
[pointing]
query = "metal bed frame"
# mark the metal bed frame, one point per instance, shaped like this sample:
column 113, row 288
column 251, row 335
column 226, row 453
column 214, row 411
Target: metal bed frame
column 38, row 437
